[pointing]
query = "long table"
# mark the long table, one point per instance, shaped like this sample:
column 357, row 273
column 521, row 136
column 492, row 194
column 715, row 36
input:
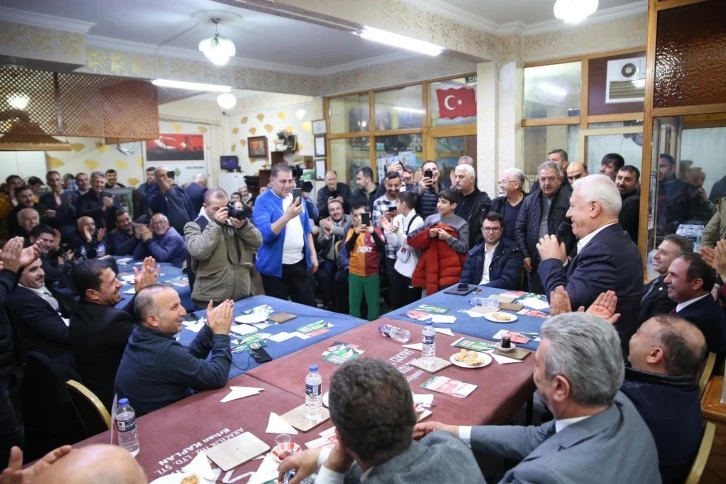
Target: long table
column 465, row 324
column 171, row 437
column 168, row 273
column 305, row 315
column 502, row 389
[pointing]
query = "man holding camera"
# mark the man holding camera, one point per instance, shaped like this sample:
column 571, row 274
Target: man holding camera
column 222, row 243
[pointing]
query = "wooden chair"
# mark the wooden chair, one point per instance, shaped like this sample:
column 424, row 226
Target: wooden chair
column 91, row 412
column 699, row 463
column 707, row 371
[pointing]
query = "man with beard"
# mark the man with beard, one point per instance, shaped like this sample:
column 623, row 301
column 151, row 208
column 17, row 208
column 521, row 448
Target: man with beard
column 124, row 238
column 627, row 181
column 366, row 188
column 98, row 330
column 333, row 190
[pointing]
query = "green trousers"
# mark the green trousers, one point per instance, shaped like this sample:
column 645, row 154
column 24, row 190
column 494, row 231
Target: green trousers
column 357, row 287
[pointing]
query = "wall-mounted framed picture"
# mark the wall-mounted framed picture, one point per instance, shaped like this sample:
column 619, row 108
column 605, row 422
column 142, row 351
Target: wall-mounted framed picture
column 320, row 145
column 257, row 146
column 320, row 126
column 320, row 169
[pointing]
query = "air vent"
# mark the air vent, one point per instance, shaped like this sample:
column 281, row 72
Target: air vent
column 625, row 80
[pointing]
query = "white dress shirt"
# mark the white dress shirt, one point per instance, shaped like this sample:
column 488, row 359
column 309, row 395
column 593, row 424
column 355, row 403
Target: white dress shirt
column 488, row 256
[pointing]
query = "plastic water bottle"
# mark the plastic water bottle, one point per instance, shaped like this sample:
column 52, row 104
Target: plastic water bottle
column 428, row 344
column 314, row 395
column 126, row 426
column 395, row 333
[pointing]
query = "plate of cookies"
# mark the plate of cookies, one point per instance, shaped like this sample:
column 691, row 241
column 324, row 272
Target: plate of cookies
column 470, row 359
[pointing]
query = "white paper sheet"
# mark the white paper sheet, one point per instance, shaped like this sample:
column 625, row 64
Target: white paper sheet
column 534, row 303
column 444, row 331
column 277, row 425
column 443, row 318
column 243, row 329
column 240, row 392
column 200, row 466
column 280, row 337
column 266, row 472
column 423, row 398
column 503, row 360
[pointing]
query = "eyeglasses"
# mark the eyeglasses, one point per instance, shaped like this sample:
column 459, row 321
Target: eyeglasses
column 491, row 229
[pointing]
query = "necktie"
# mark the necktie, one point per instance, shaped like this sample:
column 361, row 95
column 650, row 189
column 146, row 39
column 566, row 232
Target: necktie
column 655, row 284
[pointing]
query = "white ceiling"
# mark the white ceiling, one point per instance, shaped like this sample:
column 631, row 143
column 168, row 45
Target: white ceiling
column 260, row 37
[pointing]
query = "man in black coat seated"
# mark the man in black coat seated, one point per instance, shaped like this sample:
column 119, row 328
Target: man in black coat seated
column 98, row 330
column 496, row 262
column 665, row 355
column 690, row 281
column 37, row 322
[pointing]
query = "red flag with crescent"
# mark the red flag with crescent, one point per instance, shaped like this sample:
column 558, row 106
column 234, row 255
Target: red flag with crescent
column 456, row 103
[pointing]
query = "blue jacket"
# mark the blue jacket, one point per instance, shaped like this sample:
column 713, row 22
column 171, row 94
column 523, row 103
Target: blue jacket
column 122, row 243
column 267, row 210
column 158, row 203
column 170, row 248
column 504, row 271
column 195, row 192
column 156, row 370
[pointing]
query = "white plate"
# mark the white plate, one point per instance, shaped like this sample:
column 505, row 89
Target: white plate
column 505, row 317
column 173, row 478
column 325, row 398
column 482, row 356
column 251, row 318
column 505, row 350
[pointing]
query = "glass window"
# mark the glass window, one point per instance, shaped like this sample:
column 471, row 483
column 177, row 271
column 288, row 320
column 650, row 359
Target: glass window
column 448, row 152
column 628, row 145
column 453, row 102
column 406, row 148
column 687, row 182
column 552, row 91
column 347, row 155
column 540, row 140
column 399, row 108
column 349, row 114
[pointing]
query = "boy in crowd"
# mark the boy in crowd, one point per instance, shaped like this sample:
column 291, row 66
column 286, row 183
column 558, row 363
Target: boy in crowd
column 364, row 245
column 443, row 242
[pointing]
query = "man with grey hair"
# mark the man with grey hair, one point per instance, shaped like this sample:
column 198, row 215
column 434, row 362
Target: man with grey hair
column 28, row 219
column 541, row 214
column 606, row 256
column 471, row 203
column 222, row 251
column 156, row 370
column 162, row 242
column 511, row 186
column 597, row 435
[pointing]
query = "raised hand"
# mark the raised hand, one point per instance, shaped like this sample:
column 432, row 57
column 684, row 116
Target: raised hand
column 15, row 474
column 219, row 319
column 148, row 274
column 11, row 254
column 560, row 301
column 604, row 307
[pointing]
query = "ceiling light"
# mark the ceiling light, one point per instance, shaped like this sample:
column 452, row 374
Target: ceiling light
column 552, row 89
column 217, row 49
column 226, row 100
column 18, row 100
column 192, row 86
column 405, row 109
column 401, row 41
column 574, row 11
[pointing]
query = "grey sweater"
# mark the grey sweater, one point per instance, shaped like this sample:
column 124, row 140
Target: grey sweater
column 460, row 245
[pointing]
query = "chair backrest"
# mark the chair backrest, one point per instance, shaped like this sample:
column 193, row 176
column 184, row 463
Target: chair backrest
column 91, row 412
column 699, row 463
column 707, row 371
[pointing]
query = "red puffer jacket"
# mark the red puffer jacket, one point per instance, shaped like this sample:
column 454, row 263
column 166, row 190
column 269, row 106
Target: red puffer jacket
column 439, row 265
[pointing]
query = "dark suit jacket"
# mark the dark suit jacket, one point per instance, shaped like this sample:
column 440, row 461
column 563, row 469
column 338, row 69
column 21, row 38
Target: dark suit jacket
column 98, row 336
column 504, row 270
column 324, row 193
column 195, row 192
column 656, row 301
column 609, row 261
column 710, row 319
column 630, row 215
column 38, row 327
column 90, row 205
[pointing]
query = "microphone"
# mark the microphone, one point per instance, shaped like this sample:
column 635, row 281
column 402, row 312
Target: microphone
column 564, row 234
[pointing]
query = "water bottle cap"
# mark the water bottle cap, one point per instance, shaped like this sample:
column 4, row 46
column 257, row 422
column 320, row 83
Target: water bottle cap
column 123, row 401
column 313, row 368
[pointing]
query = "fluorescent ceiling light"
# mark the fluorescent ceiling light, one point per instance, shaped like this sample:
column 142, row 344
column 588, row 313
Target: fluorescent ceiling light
column 574, row 11
column 396, row 40
column 404, row 109
column 192, row 86
column 552, row 89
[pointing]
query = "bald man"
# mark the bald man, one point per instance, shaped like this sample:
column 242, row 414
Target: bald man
column 575, row 171
column 87, row 242
column 87, row 465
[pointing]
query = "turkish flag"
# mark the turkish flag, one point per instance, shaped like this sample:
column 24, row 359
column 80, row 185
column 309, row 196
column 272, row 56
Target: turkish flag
column 455, row 103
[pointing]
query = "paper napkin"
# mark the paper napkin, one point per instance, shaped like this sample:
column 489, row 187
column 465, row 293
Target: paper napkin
column 277, row 425
column 240, row 392
column 444, row 331
column 266, row 472
column 200, row 466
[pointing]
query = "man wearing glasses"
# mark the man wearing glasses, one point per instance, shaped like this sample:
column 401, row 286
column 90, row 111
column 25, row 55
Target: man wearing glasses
column 510, row 203
column 542, row 212
column 496, row 262
column 162, row 242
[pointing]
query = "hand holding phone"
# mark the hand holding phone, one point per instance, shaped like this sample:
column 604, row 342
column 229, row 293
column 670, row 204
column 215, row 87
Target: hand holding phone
column 365, row 218
column 297, row 193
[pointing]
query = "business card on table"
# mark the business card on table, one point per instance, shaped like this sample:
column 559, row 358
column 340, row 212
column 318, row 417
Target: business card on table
column 314, row 329
column 473, row 344
column 236, row 451
column 296, row 417
column 446, row 385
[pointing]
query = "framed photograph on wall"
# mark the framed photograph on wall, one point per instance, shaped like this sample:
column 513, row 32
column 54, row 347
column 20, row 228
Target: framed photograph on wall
column 257, row 146
column 320, row 126
column 320, row 145
column 320, row 169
